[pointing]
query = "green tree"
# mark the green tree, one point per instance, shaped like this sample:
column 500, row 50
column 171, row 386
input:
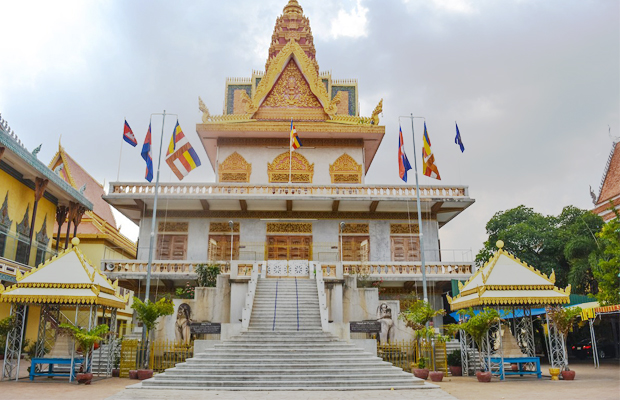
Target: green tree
column 608, row 267
column 148, row 312
column 566, row 244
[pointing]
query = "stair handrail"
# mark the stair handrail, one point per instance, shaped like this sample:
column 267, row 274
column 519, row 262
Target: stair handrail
column 249, row 299
column 320, row 285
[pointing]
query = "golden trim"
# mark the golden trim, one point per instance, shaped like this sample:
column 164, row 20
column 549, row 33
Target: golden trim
column 234, row 169
column 355, row 229
column 301, row 170
column 223, row 227
column 404, row 229
column 180, row 227
column 345, row 170
column 289, row 227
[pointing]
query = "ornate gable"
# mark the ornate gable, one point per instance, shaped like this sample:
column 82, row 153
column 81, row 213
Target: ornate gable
column 291, row 97
column 301, row 170
column 23, row 227
column 41, row 236
column 345, row 170
column 235, row 169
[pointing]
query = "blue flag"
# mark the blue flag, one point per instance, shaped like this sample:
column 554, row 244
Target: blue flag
column 457, row 139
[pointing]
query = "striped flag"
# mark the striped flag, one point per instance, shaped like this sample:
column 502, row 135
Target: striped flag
column 295, row 142
column 181, row 156
column 403, row 162
column 146, row 154
column 430, row 169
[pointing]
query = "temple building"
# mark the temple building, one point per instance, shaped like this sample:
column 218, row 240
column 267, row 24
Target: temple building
column 288, row 211
column 609, row 193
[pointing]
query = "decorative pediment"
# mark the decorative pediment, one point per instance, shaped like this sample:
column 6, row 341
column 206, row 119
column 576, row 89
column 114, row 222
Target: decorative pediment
column 345, row 170
column 42, row 234
column 5, row 221
column 300, row 169
column 23, row 227
column 300, row 87
column 234, row 169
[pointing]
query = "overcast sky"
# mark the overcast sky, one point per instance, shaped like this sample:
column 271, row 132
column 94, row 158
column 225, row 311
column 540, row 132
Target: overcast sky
column 533, row 85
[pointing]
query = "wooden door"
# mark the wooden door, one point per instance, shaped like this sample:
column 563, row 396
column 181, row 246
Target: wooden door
column 289, row 247
column 405, row 248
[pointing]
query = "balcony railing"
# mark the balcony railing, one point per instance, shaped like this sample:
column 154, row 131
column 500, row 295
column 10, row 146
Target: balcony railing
column 286, row 190
column 137, row 267
column 15, row 253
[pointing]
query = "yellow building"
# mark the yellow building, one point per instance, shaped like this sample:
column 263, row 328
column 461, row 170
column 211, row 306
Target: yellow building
column 32, row 198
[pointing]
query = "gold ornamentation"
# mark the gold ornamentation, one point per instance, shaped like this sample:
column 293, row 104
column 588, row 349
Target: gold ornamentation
column 301, row 170
column 223, row 227
column 173, row 226
column 291, row 90
column 341, row 101
column 275, row 142
column 345, row 170
column 404, row 229
column 206, row 116
column 309, row 71
column 235, row 169
column 375, row 113
column 289, row 227
column 355, row 229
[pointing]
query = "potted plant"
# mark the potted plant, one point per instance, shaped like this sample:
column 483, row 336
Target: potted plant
column 477, row 326
column 419, row 369
column 148, row 312
column 85, row 340
column 454, row 363
column 563, row 319
column 436, row 376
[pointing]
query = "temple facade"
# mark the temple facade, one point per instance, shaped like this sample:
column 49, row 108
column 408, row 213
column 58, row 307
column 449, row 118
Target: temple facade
column 287, row 211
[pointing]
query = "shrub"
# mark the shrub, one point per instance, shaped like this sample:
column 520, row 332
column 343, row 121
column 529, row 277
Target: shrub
column 207, row 274
column 454, row 358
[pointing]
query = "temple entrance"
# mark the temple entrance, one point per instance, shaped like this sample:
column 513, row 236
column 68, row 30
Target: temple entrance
column 288, row 255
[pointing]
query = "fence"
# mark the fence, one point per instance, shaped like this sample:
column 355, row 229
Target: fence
column 163, row 354
column 403, row 353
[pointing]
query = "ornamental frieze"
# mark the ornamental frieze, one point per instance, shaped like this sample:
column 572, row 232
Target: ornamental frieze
column 223, row 227
column 345, row 170
column 235, row 169
column 301, row 170
column 404, row 229
column 289, row 227
column 355, row 229
column 173, row 227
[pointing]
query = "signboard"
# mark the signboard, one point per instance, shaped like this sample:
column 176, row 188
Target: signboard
column 371, row 326
column 205, row 327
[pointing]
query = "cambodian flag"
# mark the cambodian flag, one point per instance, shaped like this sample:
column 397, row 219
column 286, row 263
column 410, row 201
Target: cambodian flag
column 129, row 136
column 403, row 162
column 146, row 154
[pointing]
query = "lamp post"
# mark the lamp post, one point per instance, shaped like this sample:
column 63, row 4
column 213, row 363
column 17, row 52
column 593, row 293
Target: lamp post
column 417, row 191
column 232, row 238
column 342, row 225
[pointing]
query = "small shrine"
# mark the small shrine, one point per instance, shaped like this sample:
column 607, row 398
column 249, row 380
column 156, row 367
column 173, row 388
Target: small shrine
column 513, row 288
column 68, row 289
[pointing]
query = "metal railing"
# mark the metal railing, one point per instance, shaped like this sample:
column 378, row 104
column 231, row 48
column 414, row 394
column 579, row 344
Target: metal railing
column 164, row 354
column 14, row 252
column 404, row 353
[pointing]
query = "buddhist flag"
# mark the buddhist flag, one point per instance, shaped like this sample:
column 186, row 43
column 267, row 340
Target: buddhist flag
column 129, row 136
column 295, row 142
column 181, row 156
column 403, row 162
column 146, row 154
column 430, row 169
column 457, row 139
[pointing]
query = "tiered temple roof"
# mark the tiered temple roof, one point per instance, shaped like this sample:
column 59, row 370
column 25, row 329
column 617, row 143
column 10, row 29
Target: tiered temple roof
column 610, row 186
column 507, row 281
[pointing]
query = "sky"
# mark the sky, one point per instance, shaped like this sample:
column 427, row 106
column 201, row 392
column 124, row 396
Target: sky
column 533, row 85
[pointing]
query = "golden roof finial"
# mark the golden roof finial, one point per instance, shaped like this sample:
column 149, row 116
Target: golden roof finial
column 499, row 244
column 293, row 6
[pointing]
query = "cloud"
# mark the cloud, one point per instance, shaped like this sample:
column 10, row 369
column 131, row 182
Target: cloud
column 353, row 23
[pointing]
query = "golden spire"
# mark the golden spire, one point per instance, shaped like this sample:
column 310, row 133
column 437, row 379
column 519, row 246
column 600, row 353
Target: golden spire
column 292, row 25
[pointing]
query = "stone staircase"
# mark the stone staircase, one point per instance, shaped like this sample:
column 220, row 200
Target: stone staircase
column 284, row 349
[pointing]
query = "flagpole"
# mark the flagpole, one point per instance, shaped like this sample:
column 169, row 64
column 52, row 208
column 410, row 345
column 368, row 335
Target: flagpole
column 154, row 218
column 417, row 191
column 290, row 152
column 118, row 174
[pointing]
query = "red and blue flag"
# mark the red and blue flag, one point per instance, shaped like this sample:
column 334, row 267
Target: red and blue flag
column 129, row 136
column 146, row 154
column 403, row 162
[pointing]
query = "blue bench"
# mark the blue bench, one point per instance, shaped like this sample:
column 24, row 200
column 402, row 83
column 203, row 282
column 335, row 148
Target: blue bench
column 50, row 371
column 520, row 361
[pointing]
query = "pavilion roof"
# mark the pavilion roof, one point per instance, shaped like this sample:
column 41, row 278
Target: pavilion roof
column 507, row 281
column 68, row 278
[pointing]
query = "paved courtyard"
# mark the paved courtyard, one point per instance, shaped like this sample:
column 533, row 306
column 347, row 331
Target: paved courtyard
column 601, row 384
